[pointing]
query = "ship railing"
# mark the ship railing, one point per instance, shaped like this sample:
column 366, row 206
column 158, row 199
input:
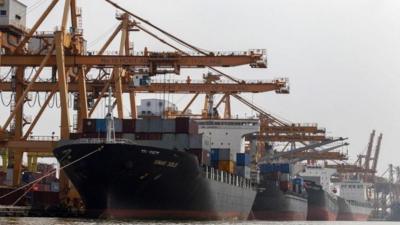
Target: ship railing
column 43, row 138
column 225, row 177
column 100, row 141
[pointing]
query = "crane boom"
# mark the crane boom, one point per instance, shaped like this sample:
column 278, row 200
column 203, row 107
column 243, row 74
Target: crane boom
column 377, row 150
column 369, row 150
column 323, row 154
column 175, row 86
column 302, row 149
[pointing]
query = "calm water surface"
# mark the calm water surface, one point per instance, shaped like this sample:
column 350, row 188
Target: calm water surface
column 57, row 221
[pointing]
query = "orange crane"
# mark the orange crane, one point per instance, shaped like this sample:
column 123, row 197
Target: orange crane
column 64, row 53
column 358, row 166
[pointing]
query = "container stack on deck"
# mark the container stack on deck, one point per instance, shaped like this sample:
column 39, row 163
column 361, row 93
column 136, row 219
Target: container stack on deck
column 243, row 165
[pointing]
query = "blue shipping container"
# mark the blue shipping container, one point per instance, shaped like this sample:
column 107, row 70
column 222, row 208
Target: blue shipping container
column 101, row 125
column 214, row 155
column 284, row 168
column 242, row 159
column 275, row 167
column 298, row 181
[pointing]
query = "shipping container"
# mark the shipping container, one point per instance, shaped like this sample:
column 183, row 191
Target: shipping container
column 225, row 154
column 168, row 126
column 117, row 125
column 242, row 159
column 148, row 136
column 284, row 177
column 149, row 125
column 89, row 126
column 298, row 181
column 193, row 127
column 214, row 155
column 243, row 171
column 101, row 125
column 227, row 166
column 182, row 125
column 271, row 175
column 128, row 125
column 273, row 167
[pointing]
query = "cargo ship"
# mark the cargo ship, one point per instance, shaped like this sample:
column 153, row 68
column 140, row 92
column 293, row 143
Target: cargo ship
column 353, row 200
column 322, row 202
column 279, row 197
column 157, row 169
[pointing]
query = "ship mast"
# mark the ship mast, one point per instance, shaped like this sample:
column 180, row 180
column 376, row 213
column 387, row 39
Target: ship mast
column 110, row 119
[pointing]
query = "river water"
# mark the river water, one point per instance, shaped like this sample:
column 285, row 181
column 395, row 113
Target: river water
column 62, row 221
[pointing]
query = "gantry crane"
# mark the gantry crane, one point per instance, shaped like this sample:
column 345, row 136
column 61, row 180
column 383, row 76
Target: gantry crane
column 363, row 168
column 64, row 53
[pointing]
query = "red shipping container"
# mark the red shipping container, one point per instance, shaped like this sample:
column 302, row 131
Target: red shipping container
column 128, row 125
column 182, row 125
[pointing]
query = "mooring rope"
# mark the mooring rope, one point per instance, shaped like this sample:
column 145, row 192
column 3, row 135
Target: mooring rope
column 49, row 174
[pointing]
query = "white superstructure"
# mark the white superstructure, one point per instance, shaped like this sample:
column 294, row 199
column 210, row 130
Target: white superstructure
column 155, row 107
column 320, row 175
column 352, row 187
column 228, row 133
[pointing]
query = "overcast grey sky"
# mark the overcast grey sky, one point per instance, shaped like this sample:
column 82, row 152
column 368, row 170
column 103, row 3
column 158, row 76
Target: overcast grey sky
column 342, row 56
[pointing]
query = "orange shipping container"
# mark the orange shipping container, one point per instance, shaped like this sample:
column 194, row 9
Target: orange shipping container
column 228, row 166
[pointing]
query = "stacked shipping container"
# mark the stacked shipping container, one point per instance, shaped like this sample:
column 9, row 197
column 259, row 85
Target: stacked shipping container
column 279, row 172
column 243, row 165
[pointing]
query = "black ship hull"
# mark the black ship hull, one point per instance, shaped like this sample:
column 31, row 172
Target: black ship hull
column 321, row 205
column 132, row 181
column 353, row 210
column 271, row 203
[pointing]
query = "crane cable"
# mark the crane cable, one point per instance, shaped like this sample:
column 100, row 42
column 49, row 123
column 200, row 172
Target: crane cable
column 53, row 100
column 7, row 75
column 157, row 28
column 2, row 100
column 173, row 38
column 51, row 173
column 34, row 102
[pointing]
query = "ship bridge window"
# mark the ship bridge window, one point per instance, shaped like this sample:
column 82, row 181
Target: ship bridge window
column 3, row 12
column 148, row 104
